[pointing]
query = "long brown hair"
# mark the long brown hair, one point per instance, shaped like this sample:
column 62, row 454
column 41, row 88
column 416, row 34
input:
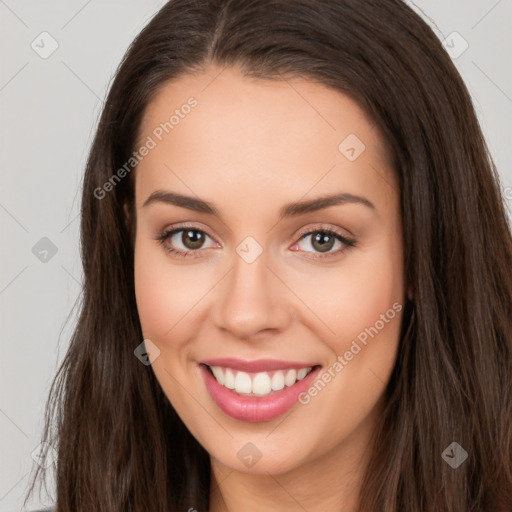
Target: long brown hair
column 121, row 446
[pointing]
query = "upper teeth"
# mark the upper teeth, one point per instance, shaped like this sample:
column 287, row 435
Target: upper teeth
column 257, row 384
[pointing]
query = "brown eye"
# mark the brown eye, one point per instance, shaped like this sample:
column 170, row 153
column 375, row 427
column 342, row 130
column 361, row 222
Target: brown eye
column 184, row 241
column 192, row 238
column 322, row 241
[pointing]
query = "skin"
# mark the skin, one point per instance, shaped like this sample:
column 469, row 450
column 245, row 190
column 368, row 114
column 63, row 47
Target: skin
column 249, row 147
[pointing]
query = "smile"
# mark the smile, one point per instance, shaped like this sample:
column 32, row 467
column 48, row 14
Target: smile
column 260, row 394
column 257, row 384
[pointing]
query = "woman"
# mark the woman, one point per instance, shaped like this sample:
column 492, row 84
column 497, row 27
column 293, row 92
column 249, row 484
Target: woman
column 297, row 262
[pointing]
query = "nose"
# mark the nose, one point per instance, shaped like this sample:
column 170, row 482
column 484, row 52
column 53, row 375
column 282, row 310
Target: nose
column 251, row 300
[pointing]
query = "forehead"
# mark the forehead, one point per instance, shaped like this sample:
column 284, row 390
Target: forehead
column 290, row 134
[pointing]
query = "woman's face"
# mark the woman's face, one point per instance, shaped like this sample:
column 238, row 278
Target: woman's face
column 270, row 283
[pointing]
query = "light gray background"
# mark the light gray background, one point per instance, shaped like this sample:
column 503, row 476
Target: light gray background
column 48, row 113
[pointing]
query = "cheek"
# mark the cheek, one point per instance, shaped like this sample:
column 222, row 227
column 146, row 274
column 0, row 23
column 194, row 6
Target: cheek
column 369, row 300
column 162, row 301
column 161, row 297
column 169, row 296
column 367, row 320
column 150, row 293
column 352, row 297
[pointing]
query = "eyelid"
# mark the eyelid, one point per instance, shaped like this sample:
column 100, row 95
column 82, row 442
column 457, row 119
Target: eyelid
column 172, row 229
column 321, row 227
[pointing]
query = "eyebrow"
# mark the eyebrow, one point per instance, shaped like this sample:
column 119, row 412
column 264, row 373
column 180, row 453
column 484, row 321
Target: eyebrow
column 289, row 210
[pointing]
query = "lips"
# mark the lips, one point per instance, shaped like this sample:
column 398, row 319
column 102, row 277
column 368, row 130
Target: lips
column 258, row 390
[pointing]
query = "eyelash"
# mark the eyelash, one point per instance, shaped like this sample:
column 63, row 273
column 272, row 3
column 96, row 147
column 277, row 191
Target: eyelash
column 163, row 236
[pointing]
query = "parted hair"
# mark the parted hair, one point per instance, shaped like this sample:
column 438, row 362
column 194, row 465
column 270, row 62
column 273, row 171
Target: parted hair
column 121, row 446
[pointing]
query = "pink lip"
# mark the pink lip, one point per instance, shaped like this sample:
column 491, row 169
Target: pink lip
column 259, row 365
column 256, row 408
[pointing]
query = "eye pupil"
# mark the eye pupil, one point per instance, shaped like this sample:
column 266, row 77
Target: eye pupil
column 196, row 237
column 322, row 239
